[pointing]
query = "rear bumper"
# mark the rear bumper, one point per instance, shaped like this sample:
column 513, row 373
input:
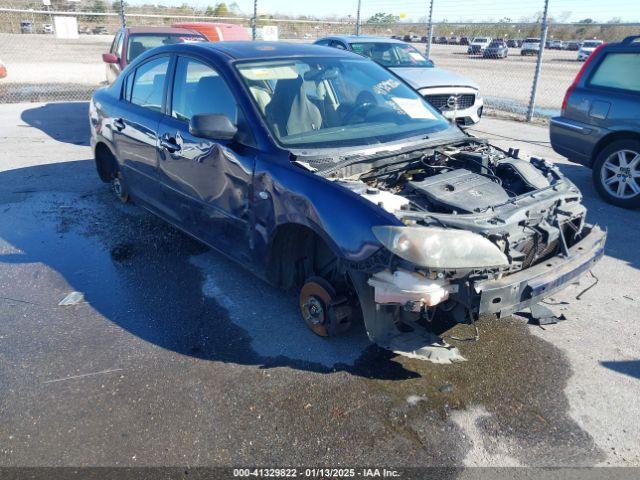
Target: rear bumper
column 574, row 140
column 527, row 287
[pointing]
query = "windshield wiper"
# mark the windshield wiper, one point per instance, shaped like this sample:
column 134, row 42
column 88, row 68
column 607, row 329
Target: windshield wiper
column 347, row 161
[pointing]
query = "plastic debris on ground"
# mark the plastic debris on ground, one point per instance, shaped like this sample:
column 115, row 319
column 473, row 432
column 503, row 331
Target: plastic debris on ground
column 72, row 299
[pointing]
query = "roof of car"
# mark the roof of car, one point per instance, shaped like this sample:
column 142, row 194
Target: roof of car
column 362, row 39
column 248, row 49
column 161, row 30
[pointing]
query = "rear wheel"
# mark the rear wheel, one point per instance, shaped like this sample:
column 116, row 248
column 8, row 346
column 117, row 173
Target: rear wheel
column 616, row 173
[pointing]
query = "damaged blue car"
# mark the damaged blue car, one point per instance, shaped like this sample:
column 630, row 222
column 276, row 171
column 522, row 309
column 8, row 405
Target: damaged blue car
column 326, row 174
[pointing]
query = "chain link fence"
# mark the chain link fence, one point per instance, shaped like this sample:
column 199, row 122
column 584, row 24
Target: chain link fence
column 42, row 67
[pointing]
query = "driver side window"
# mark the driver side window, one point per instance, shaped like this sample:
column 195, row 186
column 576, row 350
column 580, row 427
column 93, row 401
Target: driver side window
column 199, row 89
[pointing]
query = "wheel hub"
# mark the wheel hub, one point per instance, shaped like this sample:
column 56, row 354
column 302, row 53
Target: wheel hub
column 322, row 310
column 117, row 186
column 620, row 173
column 315, row 311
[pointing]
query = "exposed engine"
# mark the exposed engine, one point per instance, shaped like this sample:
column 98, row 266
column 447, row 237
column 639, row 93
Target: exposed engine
column 457, row 191
column 526, row 207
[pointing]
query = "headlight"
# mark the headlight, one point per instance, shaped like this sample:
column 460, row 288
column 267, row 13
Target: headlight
column 435, row 247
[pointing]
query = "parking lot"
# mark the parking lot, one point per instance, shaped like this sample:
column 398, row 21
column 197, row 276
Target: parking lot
column 71, row 69
column 180, row 357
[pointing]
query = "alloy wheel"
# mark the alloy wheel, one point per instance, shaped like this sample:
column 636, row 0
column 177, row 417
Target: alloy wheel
column 620, row 174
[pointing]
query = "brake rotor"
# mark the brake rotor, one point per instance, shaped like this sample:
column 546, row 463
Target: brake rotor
column 316, row 297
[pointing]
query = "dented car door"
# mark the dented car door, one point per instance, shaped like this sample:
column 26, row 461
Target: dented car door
column 206, row 182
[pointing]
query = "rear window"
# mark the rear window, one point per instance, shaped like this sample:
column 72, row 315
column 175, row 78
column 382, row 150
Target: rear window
column 532, row 40
column 619, row 71
column 591, row 44
column 140, row 43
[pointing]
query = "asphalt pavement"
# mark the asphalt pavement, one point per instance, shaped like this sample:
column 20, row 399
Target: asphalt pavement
column 177, row 356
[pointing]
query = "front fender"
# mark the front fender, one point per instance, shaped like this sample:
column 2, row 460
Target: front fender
column 286, row 194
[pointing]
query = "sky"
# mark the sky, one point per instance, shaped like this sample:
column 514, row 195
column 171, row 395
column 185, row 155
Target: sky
column 452, row 10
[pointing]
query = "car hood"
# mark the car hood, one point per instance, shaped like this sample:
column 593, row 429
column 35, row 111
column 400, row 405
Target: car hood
column 433, row 77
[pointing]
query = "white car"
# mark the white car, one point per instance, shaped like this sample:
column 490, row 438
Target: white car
column 478, row 45
column 530, row 46
column 556, row 45
column 587, row 49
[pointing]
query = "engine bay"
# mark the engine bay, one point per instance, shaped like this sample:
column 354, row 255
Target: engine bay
column 526, row 207
column 458, row 179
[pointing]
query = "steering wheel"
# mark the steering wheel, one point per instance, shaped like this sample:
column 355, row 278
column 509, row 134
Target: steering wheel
column 364, row 102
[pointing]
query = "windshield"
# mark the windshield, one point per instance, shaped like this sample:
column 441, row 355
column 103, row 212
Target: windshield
column 140, row 43
column 480, row 40
column 532, row 40
column 591, row 44
column 331, row 102
column 496, row 44
column 392, row 54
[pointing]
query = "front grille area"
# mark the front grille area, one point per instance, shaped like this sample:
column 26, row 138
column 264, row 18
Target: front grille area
column 458, row 102
column 536, row 250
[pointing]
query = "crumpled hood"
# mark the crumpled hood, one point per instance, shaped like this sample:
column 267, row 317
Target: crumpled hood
column 433, row 77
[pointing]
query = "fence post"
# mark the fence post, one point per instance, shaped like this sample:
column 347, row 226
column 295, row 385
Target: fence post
column 430, row 30
column 254, row 21
column 123, row 17
column 536, row 76
column 358, row 18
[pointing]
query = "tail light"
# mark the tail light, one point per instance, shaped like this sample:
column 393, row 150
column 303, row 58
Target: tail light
column 579, row 76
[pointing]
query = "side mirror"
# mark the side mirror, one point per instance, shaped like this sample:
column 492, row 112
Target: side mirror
column 110, row 58
column 214, row 126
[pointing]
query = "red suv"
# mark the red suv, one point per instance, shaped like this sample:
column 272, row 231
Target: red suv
column 130, row 42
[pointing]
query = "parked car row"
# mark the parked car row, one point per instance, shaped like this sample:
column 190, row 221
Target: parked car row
column 528, row 46
column 327, row 174
column 29, row 27
column 453, row 40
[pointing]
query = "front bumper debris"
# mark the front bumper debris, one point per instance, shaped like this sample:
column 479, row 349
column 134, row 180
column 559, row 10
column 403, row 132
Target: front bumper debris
column 390, row 303
column 411, row 290
column 527, row 287
column 393, row 328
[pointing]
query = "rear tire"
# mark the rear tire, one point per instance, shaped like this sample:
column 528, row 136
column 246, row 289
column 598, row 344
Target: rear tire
column 616, row 173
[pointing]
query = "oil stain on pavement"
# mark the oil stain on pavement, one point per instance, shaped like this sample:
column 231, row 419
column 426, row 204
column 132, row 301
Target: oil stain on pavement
column 351, row 400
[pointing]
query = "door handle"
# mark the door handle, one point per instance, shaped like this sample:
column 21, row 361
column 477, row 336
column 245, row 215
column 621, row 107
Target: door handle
column 169, row 145
column 118, row 123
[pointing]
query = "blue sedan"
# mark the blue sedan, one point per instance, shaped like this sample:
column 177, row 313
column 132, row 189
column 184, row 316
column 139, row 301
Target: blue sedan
column 328, row 175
